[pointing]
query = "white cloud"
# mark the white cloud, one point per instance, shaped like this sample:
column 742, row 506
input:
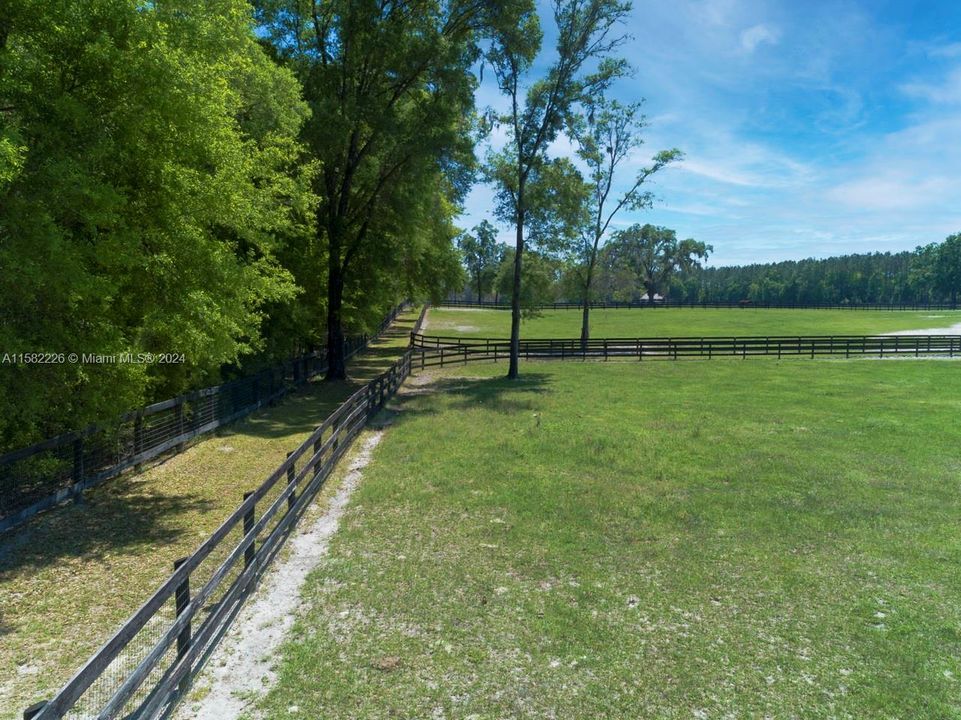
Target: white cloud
column 890, row 193
column 720, row 172
column 947, row 92
column 758, row 34
column 951, row 50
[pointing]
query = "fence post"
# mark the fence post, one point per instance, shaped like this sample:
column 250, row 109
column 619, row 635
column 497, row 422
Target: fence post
column 138, row 438
column 317, row 446
column 292, row 498
column 249, row 551
column 181, row 601
column 34, row 710
column 78, row 470
column 180, row 421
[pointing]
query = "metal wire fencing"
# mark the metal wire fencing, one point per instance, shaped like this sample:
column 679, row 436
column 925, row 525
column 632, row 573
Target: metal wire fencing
column 59, row 469
column 146, row 667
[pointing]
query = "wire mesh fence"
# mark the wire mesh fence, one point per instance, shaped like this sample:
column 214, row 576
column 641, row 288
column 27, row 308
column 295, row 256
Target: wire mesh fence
column 48, row 473
column 145, row 668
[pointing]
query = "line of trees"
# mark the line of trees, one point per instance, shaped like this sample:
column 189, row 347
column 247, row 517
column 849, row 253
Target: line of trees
column 641, row 263
column 929, row 274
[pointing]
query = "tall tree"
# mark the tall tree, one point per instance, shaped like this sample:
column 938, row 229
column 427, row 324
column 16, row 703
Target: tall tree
column 146, row 178
column 538, row 114
column 654, row 255
column 391, row 94
column 482, row 255
column 607, row 132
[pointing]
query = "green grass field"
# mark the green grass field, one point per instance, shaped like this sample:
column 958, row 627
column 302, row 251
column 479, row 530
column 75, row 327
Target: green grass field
column 71, row 577
column 677, row 322
column 723, row 539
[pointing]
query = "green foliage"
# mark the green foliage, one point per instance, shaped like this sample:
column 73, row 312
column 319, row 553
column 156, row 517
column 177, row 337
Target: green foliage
column 539, row 279
column 482, row 255
column 652, row 256
column 948, row 267
column 531, row 191
column 146, row 185
column 930, row 274
column 391, row 95
column 607, row 133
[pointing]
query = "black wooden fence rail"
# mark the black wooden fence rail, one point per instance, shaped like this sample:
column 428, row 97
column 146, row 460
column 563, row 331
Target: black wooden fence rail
column 744, row 304
column 433, row 350
column 50, row 472
column 145, row 668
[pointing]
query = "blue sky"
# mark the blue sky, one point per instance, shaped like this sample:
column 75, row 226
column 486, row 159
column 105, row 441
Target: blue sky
column 811, row 127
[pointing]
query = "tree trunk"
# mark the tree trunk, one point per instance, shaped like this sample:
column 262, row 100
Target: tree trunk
column 586, row 317
column 651, row 292
column 336, row 362
column 512, row 369
column 585, row 322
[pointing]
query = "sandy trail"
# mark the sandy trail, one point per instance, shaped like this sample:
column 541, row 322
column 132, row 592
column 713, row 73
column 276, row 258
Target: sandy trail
column 241, row 669
column 952, row 330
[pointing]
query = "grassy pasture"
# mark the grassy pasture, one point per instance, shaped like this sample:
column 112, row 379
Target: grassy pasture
column 72, row 576
column 678, row 322
column 724, row 539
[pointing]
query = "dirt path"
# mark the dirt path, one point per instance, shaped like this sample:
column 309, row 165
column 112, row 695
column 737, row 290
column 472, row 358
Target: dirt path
column 241, row 668
column 951, row 330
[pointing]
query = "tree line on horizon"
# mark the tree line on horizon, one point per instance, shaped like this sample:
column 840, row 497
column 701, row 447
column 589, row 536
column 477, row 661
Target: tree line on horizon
column 930, row 274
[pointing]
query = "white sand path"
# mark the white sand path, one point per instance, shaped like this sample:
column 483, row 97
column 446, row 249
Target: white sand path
column 952, row 330
column 240, row 671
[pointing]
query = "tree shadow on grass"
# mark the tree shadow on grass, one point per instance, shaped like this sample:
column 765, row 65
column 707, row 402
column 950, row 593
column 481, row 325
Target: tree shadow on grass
column 308, row 406
column 115, row 519
column 497, row 394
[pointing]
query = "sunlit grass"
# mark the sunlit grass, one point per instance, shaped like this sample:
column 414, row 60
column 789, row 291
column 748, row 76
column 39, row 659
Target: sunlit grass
column 668, row 540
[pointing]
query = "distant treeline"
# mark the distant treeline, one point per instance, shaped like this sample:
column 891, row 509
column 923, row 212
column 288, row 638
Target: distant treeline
column 927, row 275
column 855, row 279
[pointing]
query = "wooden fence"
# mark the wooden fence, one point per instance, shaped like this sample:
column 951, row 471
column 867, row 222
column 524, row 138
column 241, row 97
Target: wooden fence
column 39, row 477
column 744, row 304
column 433, row 350
column 145, row 668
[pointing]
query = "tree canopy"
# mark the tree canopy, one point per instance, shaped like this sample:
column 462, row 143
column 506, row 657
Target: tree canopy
column 147, row 179
column 653, row 256
column 390, row 88
column 538, row 113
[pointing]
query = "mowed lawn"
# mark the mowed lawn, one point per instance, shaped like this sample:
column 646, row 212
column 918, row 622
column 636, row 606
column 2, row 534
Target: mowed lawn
column 677, row 322
column 720, row 539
